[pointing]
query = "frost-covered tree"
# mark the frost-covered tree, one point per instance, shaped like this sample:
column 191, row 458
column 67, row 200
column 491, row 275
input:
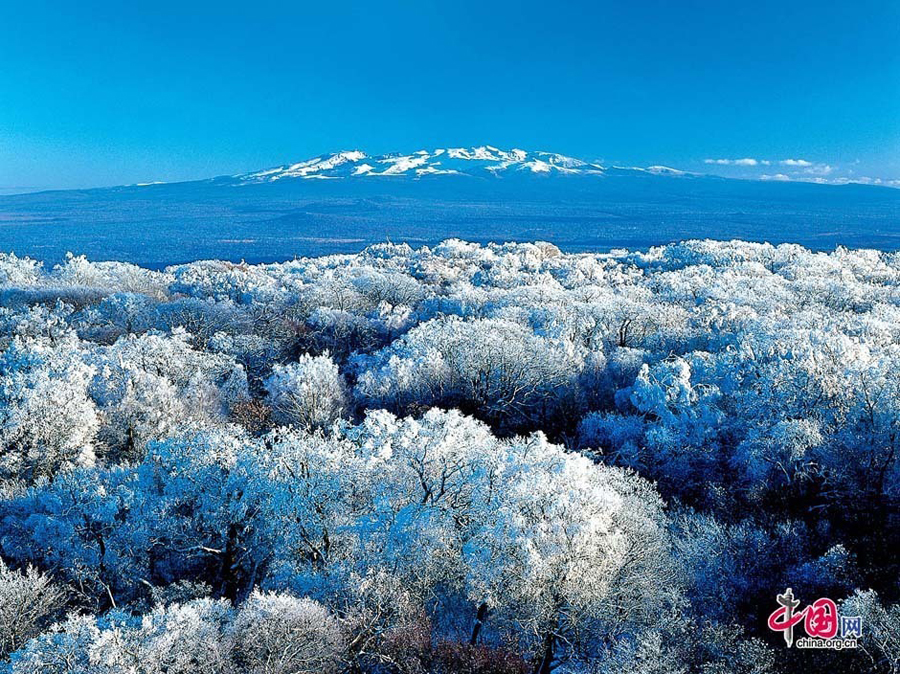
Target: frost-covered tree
column 48, row 422
column 90, row 527
column 569, row 552
column 28, row 601
column 280, row 634
column 63, row 649
column 343, row 430
column 880, row 639
column 496, row 368
column 380, row 509
column 310, row 393
column 152, row 386
column 176, row 639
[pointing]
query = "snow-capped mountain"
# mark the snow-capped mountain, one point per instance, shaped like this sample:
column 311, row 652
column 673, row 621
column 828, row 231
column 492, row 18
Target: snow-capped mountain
column 477, row 161
column 343, row 201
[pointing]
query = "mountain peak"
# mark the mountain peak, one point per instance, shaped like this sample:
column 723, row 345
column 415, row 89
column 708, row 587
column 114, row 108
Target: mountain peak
column 483, row 160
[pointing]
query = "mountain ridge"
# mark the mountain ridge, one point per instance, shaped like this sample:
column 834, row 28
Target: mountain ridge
column 482, row 160
column 340, row 202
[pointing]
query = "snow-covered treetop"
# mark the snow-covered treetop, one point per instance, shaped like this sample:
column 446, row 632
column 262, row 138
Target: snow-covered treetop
column 581, row 458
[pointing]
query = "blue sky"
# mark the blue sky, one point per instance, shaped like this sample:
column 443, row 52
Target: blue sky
column 103, row 93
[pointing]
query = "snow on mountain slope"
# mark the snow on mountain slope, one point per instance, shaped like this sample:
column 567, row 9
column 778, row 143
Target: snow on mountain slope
column 477, row 161
column 306, row 169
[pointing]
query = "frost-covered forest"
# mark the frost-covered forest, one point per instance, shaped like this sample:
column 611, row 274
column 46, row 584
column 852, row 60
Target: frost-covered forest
column 478, row 459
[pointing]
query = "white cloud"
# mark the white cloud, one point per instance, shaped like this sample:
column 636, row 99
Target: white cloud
column 803, row 170
column 807, row 166
column 866, row 180
column 819, row 169
column 746, row 161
